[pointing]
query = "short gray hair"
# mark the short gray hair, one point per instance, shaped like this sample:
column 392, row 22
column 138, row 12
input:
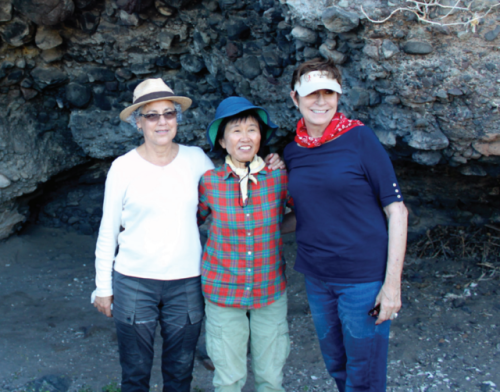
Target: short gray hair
column 134, row 116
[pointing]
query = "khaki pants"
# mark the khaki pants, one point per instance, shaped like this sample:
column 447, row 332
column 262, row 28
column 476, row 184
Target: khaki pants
column 228, row 331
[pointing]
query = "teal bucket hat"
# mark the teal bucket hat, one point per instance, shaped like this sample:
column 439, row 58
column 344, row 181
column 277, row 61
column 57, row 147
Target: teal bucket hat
column 235, row 105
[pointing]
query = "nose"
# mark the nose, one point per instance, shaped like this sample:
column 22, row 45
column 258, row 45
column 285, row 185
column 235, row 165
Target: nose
column 162, row 119
column 245, row 135
column 320, row 97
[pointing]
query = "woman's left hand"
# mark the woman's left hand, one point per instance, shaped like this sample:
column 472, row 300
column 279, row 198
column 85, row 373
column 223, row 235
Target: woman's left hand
column 389, row 298
column 274, row 162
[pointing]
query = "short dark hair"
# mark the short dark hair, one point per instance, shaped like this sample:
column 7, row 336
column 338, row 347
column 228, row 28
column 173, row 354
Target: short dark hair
column 317, row 64
column 238, row 118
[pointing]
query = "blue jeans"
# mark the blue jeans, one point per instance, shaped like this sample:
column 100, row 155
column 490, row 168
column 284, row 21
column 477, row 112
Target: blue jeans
column 139, row 304
column 354, row 348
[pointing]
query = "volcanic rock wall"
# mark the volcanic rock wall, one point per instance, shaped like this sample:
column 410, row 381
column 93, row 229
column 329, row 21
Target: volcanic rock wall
column 68, row 67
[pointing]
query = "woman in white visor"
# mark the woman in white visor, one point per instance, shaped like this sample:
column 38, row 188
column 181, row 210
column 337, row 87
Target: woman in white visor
column 351, row 229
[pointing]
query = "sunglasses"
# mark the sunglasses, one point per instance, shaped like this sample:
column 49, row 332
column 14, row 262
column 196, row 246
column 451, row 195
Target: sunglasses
column 155, row 117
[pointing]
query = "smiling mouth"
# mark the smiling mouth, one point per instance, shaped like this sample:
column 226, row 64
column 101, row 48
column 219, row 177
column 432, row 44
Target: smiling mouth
column 245, row 148
column 319, row 111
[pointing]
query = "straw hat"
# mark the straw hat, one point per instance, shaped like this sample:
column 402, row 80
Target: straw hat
column 152, row 90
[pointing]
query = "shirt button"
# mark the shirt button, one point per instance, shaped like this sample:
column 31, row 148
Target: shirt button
column 249, row 253
column 249, row 233
column 248, row 215
column 394, row 184
column 248, row 288
column 397, row 191
column 249, row 270
column 399, row 196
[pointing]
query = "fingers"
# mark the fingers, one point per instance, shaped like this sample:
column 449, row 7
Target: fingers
column 275, row 162
column 104, row 309
column 103, row 305
column 387, row 312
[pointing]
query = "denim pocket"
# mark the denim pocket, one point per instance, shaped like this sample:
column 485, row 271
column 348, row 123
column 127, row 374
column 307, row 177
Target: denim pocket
column 215, row 345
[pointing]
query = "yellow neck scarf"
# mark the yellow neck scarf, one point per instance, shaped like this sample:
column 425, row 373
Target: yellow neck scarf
column 256, row 166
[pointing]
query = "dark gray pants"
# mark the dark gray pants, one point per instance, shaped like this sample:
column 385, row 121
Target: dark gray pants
column 137, row 307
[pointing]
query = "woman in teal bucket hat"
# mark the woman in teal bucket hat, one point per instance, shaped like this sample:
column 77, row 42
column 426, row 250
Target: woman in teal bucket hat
column 243, row 271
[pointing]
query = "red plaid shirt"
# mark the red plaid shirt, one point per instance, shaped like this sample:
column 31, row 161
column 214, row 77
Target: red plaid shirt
column 242, row 262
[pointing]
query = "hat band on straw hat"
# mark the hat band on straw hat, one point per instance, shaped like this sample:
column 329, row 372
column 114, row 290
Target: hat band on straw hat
column 156, row 95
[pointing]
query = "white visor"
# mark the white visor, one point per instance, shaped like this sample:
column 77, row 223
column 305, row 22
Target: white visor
column 316, row 80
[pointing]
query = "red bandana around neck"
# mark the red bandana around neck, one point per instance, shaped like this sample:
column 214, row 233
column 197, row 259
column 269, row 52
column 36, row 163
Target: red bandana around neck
column 339, row 125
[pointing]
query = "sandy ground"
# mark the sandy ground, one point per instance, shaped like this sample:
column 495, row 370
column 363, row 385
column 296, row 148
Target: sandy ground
column 447, row 337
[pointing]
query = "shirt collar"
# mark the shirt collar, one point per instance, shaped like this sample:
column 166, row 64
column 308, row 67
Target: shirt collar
column 225, row 171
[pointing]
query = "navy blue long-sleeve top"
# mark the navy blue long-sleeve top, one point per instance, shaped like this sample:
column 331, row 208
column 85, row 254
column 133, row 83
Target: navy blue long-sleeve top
column 339, row 190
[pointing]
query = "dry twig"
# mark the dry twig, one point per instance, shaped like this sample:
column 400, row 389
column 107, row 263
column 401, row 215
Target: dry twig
column 424, row 9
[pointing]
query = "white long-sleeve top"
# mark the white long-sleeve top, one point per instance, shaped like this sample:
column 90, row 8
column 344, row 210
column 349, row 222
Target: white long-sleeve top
column 156, row 207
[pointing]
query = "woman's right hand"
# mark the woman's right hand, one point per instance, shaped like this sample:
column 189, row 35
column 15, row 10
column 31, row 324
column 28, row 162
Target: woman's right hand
column 103, row 305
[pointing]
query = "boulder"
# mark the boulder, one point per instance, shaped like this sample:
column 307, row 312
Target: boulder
column 422, row 140
column 388, row 139
column 359, row 97
column 371, row 51
column 338, row 20
column 100, row 74
column 473, row 170
column 487, row 148
column 17, row 32
column 249, row 67
column 427, row 158
column 100, row 136
column 88, row 21
column 417, row 47
column 493, row 34
column 8, row 219
column 28, row 93
column 165, row 39
column 237, row 29
column 163, row 9
column 47, row 38
column 45, row 76
column 4, row 181
column 336, row 56
column 388, row 49
column 5, row 10
column 52, row 55
column 127, row 19
column 304, row 34
column 310, row 53
column 45, row 12
column 77, row 95
column 192, row 64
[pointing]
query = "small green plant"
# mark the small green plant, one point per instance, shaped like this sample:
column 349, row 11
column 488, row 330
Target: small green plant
column 111, row 387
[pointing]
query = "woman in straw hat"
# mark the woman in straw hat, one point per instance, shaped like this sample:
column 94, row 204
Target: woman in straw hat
column 148, row 250
column 351, row 229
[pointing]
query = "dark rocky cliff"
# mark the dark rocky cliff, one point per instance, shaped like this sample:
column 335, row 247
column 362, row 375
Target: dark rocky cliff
column 430, row 92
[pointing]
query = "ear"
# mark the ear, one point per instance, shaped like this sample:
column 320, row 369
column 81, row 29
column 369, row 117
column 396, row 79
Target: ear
column 222, row 143
column 294, row 98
